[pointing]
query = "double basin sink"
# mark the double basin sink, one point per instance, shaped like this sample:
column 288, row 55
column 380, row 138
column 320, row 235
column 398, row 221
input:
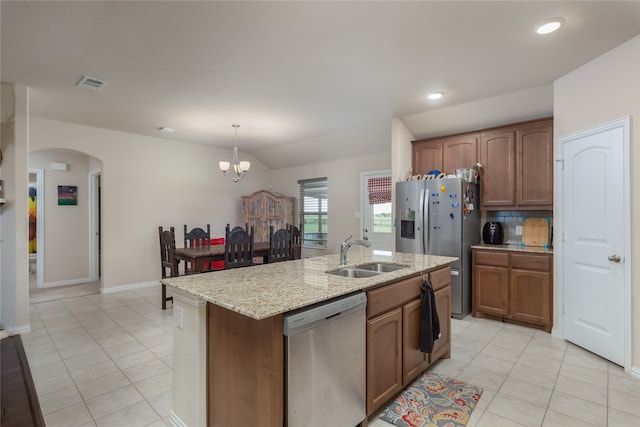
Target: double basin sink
column 367, row 270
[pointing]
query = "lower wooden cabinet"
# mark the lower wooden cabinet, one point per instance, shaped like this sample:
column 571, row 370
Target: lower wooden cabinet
column 413, row 360
column 442, row 346
column 513, row 286
column 384, row 358
column 394, row 358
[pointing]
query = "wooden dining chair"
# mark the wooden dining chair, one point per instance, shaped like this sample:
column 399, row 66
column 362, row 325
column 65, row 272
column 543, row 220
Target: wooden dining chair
column 279, row 246
column 238, row 248
column 196, row 238
column 168, row 262
column 296, row 241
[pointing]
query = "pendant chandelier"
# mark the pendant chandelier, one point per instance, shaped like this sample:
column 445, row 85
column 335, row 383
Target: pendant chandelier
column 236, row 170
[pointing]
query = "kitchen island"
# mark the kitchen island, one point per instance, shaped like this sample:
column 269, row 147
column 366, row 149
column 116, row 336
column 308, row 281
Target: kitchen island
column 228, row 364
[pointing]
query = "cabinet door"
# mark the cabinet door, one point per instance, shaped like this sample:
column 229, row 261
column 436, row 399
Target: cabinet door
column 414, row 362
column 459, row 152
column 426, row 156
column 530, row 296
column 534, row 181
column 384, row 358
column 491, row 290
column 442, row 346
column 497, row 155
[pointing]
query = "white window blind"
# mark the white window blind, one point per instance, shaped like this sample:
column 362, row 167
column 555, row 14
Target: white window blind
column 312, row 211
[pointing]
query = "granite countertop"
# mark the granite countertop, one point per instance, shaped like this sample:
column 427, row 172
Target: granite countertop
column 515, row 248
column 264, row 291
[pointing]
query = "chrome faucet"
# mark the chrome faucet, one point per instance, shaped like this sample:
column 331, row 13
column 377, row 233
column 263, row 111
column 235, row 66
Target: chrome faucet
column 345, row 245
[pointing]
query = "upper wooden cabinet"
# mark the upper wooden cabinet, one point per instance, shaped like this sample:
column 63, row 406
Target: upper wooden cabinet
column 534, row 165
column 517, row 163
column 263, row 209
column 517, row 166
column 426, row 156
column 498, row 178
column 445, row 154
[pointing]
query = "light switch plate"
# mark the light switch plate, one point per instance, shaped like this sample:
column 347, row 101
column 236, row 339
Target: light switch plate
column 518, row 230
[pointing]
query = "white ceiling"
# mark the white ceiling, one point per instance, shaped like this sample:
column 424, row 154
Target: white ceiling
column 289, row 72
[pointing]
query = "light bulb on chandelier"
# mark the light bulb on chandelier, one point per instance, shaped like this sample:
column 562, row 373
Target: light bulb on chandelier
column 239, row 169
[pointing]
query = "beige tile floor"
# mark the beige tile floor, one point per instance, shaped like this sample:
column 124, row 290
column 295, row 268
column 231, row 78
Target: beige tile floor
column 105, row 360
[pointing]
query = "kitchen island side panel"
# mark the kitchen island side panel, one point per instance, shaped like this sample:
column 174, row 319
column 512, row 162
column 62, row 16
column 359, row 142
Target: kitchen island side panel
column 245, row 369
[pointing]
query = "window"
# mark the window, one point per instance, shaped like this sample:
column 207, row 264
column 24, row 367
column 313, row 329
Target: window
column 312, row 211
column 379, row 189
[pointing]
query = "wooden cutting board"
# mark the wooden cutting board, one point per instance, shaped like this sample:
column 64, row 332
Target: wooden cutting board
column 535, row 232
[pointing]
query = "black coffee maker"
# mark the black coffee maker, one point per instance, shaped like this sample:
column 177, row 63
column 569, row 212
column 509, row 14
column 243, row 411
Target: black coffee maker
column 492, row 233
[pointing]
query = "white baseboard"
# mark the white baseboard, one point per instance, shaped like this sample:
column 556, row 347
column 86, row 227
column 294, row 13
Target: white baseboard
column 635, row 371
column 176, row 421
column 129, row 287
column 65, row 283
column 15, row 330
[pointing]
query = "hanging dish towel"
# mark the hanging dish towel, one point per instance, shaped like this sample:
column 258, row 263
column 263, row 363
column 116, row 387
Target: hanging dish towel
column 429, row 323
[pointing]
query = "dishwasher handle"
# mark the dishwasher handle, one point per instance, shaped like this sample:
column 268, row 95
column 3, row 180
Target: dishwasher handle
column 308, row 319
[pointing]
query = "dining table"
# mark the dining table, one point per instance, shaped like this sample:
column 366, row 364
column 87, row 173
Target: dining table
column 198, row 256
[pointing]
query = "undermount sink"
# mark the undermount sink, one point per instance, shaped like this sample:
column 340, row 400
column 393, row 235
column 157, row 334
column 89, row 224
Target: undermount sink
column 366, row 270
column 381, row 267
column 354, row 272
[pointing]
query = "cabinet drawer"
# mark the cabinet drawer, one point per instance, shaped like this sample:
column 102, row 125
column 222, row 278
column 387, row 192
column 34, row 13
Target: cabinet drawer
column 394, row 295
column 531, row 262
column 440, row 278
column 499, row 259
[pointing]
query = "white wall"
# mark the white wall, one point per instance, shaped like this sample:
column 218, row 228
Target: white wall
column 343, row 183
column 14, row 224
column 66, row 235
column 148, row 182
column 528, row 104
column 601, row 91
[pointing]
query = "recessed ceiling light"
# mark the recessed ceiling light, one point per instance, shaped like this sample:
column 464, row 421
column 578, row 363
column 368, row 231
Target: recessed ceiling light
column 435, row 95
column 166, row 129
column 549, row 26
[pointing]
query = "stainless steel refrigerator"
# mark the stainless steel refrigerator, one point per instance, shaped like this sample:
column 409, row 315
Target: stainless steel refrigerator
column 441, row 217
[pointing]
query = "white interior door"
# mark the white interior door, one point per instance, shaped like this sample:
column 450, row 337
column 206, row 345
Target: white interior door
column 595, row 225
column 375, row 219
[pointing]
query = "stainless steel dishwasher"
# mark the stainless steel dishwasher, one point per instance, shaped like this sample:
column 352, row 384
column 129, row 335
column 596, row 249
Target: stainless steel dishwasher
column 326, row 364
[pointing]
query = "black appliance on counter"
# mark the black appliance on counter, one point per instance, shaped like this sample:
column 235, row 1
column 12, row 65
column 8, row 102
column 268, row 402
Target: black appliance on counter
column 492, row 233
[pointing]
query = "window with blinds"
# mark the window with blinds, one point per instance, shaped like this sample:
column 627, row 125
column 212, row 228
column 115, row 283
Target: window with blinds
column 312, row 211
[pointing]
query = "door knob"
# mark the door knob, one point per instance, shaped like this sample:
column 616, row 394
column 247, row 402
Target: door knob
column 614, row 258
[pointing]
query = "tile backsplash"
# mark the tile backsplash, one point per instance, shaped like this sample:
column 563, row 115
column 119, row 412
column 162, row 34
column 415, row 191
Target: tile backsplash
column 511, row 219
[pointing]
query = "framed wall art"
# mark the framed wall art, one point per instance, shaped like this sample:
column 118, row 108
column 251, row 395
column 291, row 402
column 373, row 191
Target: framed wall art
column 67, row 195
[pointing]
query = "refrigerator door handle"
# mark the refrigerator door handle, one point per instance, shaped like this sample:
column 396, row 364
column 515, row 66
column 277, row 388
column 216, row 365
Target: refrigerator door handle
column 421, row 220
column 424, row 204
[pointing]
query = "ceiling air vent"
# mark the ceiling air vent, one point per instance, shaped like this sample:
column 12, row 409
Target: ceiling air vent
column 92, row 83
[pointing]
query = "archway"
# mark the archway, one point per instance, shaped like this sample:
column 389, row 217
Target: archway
column 68, row 243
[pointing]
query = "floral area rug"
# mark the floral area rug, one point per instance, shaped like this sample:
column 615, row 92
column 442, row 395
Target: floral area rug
column 433, row 400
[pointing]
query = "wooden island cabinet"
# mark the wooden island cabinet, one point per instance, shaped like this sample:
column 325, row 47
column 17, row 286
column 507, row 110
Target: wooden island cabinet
column 394, row 359
column 513, row 286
